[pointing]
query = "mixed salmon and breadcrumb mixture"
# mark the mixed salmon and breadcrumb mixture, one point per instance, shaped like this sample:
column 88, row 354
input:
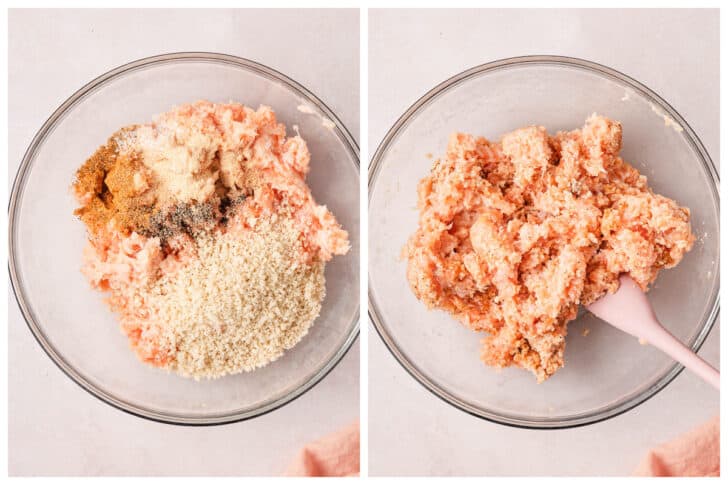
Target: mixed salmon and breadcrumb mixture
column 205, row 236
column 514, row 235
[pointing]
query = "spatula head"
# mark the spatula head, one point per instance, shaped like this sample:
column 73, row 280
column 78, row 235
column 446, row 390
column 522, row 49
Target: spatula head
column 628, row 308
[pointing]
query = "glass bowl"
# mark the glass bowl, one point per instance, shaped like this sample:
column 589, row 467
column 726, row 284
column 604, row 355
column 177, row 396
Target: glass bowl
column 70, row 320
column 606, row 372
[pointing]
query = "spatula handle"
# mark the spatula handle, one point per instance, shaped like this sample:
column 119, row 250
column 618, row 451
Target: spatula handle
column 665, row 341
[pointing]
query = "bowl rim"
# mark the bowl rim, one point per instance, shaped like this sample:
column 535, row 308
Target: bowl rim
column 582, row 419
column 19, row 185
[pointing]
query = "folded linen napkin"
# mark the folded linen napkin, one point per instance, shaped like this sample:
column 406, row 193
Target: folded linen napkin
column 693, row 454
column 334, row 455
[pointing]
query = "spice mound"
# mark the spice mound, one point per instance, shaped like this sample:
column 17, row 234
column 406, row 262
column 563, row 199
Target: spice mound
column 205, row 236
column 514, row 235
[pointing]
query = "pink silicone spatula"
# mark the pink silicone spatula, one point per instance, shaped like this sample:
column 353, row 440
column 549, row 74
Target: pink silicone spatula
column 629, row 310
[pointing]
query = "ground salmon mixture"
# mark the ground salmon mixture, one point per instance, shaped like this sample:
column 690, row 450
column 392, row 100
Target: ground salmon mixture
column 202, row 230
column 514, row 235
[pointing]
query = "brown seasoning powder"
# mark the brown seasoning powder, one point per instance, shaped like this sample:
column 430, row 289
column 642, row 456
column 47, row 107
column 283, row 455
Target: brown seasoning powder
column 108, row 175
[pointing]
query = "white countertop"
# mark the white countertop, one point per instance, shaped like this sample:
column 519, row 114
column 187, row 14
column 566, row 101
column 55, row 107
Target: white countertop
column 673, row 52
column 54, row 426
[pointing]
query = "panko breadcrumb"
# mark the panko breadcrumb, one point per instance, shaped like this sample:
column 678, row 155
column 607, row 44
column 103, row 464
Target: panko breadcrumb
column 514, row 235
column 274, row 300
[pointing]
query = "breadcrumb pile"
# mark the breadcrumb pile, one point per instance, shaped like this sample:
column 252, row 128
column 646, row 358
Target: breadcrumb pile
column 514, row 235
column 217, row 331
column 205, row 236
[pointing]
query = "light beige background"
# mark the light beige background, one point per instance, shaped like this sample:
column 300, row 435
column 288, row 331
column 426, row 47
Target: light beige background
column 54, row 426
column 411, row 432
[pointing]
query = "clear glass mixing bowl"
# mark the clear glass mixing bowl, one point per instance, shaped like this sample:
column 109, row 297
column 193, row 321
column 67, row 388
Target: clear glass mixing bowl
column 606, row 372
column 70, row 320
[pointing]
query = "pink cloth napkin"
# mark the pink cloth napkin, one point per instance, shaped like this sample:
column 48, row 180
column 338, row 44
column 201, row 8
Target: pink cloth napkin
column 334, row 455
column 694, row 454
